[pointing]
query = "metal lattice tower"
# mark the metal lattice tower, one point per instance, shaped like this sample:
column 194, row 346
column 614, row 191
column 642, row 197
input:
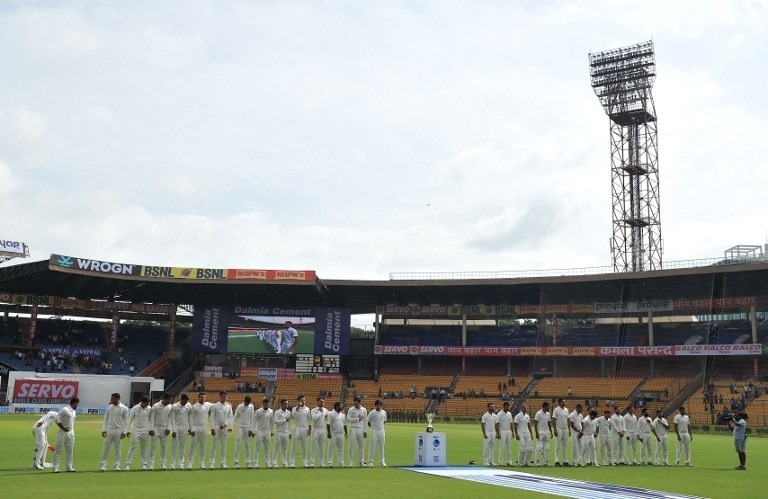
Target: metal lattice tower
column 622, row 80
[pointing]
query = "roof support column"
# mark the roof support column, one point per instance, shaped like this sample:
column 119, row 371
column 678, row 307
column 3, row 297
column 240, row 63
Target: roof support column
column 464, row 329
column 650, row 328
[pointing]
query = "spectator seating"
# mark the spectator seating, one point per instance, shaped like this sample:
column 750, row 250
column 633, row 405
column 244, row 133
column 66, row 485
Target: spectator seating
column 678, row 333
column 661, row 384
column 729, row 332
column 590, row 335
column 636, row 335
column 459, row 406
column 612, row 388
column 421, row 335
column 524, row 335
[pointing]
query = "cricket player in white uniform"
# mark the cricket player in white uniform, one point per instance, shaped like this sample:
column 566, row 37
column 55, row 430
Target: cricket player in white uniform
column 317, row 424
column 159, row 429
column 289, row 338
column 630, row 434
column 574, row 422
column 263, row 424
column 543, row 427
column 113, row 430
column 65, row 440
column 243, row 422
column 179, row 430
column 40, row 432
column 139, row 419
column 336, row 427
column 522, row 430
column 618, row 436
column 489, row 425
column 376, row 420
column 644, row 430
column 661, row 426
column 684, row 438
column 589, row 429
column 282, row 434
column 198, row 430
column 357, row 416
column 300, row 417
column 221, row 426
column 504, row 421
column 562, row 431
column 604, row 448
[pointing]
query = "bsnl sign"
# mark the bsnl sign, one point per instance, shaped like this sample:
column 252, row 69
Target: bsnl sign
column 183, row 273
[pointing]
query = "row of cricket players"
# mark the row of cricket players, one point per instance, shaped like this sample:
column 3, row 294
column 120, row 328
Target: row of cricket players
column 149, row 428
column 612, row 438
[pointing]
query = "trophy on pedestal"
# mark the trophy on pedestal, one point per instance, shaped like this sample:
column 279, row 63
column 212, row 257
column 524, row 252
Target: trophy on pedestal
column 430, row 416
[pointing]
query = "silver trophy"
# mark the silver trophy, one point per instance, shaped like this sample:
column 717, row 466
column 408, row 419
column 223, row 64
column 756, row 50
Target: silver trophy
column 430, row 417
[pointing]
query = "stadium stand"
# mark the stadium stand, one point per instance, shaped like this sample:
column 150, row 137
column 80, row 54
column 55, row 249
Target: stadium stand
column 310, row 388
column 56, row 339
column 288, row 389
column 730, row 332
column 137, row 347
column 583, row 387
column 523, row 335
column 681, row 333
column 591, row 335
column 411, row 335
column 471, row 394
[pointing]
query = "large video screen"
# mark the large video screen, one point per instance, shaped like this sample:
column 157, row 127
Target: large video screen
column 270, row 330
column 271, row 334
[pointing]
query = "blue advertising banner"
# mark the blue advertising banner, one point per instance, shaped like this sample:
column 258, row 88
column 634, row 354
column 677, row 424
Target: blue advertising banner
column 71, row 351
column 332, row 331
column 209, row 328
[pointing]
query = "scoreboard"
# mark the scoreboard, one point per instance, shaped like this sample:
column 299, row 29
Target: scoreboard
column 308, row 363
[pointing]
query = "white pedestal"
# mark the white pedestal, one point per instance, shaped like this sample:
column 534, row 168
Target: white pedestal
column 430, row 449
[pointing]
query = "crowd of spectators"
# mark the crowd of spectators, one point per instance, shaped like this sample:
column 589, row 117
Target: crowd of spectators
column 740, row 396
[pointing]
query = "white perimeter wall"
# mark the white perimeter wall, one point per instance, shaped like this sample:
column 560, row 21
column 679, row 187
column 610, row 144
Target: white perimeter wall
column 94, row 389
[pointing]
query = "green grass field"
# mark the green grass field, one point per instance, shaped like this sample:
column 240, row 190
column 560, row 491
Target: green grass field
column 712, row 475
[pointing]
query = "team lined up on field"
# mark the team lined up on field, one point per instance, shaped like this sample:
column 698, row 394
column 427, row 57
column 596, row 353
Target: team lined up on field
column 299, row 427
column 611, row 439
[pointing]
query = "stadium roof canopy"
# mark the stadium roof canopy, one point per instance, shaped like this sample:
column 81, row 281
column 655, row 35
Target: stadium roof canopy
column 95, row 280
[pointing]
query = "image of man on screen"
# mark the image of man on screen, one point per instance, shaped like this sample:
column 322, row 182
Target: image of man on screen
column 290, row 337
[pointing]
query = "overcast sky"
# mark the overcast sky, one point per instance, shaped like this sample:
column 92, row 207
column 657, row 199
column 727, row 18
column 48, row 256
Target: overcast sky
column 362, row 138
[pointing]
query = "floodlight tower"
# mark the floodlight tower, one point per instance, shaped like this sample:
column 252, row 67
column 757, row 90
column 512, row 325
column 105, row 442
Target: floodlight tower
column 622, row 80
